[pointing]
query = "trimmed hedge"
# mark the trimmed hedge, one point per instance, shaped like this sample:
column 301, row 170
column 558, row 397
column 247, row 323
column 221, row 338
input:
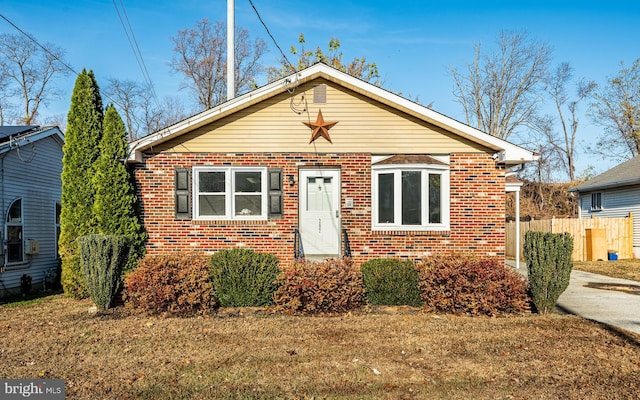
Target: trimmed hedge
column 103, row 258
column 330, row 286
column 461, row 284
column 391, row 281
column 244, row 278
column 177, row 283
column 549, row 262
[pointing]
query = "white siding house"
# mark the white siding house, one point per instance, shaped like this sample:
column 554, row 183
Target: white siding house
column 614, row 193
column 30, row 191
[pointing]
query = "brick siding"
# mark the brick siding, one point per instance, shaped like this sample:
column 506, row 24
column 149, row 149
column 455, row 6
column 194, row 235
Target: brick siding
column 477, row 208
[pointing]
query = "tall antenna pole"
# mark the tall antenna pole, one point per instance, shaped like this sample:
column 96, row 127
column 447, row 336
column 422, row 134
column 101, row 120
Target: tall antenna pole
column 230, row 50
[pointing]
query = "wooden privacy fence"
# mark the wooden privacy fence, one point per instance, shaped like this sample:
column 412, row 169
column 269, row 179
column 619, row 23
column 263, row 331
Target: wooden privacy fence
column 617, row 231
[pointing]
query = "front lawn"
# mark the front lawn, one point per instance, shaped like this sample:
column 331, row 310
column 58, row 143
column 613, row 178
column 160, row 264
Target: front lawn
column 383, row 353
column 625, row 269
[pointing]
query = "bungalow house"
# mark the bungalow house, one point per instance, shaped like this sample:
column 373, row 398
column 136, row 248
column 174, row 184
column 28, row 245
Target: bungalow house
column 613, row 194
column 30, row 189
column 322, row 164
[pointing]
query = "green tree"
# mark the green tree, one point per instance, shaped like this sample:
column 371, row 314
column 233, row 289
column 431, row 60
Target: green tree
column 114, row 208
column 358, row 67
column 81, row 150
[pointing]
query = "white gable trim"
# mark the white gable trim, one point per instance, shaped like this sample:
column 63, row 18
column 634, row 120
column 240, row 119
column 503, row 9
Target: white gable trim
column 506, row 152
column 21, row 140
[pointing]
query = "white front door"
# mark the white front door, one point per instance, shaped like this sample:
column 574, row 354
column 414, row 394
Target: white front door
column 319, row 209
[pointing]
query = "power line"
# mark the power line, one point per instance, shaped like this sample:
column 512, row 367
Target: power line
column 114, row 101
column 39, row 45
column 133, row 43
column 284, row 56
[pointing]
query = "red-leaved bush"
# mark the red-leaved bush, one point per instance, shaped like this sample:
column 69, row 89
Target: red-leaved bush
column 460, row 284
column 178, row 283
column 310, row 287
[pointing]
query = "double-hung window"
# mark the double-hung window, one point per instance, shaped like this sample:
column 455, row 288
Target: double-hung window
column 230, row 193
column 410, row 197
column 596, row 201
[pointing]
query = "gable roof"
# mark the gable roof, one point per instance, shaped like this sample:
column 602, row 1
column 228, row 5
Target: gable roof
column 625, row 174
column 12, row 137
column 7, row 131
column 506, row 152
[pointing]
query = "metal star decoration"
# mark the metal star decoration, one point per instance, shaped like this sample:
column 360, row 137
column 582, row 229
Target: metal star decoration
column 320, row 128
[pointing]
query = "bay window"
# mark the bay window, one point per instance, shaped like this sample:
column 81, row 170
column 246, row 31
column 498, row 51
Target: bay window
column 410, row 197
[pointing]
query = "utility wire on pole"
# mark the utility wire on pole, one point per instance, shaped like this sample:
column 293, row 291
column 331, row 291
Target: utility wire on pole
column 230, row 50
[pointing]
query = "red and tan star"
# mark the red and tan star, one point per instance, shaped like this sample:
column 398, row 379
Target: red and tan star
column 320, row 128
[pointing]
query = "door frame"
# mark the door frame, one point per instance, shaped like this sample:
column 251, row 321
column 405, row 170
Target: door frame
column 303, row 174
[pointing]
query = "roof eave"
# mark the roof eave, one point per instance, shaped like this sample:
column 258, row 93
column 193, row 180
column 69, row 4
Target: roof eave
column 512, row 154
column 41, row 133
column 608, row 185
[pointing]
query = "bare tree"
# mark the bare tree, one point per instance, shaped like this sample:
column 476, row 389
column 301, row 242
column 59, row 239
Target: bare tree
column 142, row 113
column 616, row 107
column 201, row 58
column 500, row 92
column 358, row 67
column 7, row 110
column 31, row 70
column 128, row 98
column 563, row 140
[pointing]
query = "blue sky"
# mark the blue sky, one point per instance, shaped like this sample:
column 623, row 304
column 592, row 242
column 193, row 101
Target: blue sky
column 413, row 42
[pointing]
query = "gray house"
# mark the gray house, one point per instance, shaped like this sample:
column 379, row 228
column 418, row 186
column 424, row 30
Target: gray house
column 614, row 193
column 30, row 190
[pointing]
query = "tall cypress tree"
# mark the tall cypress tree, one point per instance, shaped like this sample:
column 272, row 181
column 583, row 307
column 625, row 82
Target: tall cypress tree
column 115, row 201
column 81, row 150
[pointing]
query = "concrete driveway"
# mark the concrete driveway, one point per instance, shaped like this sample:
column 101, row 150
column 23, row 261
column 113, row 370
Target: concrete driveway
column 612, row 301
column 600, row 298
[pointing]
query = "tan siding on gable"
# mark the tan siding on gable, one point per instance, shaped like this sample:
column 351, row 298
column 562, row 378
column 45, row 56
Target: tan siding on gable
column 364, row 125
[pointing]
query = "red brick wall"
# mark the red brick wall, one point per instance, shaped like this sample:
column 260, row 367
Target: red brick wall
column 477, row 209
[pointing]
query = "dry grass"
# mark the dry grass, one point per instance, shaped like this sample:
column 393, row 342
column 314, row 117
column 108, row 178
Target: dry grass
column 625, row 269
column 254, row 354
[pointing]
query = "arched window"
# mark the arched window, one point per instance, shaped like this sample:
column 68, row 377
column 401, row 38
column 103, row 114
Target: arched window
column 14, row 232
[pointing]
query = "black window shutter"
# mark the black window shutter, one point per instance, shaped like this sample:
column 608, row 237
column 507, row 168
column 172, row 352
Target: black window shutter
column 183, row 193
column 275, row 193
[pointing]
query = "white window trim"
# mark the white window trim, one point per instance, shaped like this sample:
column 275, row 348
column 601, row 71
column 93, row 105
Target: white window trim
column 426, row 169
column 593, row 207
column 7, row 224
column 229, row 194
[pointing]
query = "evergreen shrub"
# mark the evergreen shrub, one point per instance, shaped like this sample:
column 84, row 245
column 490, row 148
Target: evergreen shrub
column 549, row 263
column 244, row 278
column 81, row 150
column 177, row 283
column 114, row 207
column 464, row 284
column 312, row 287
column 391, row 281
column 102, row 258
